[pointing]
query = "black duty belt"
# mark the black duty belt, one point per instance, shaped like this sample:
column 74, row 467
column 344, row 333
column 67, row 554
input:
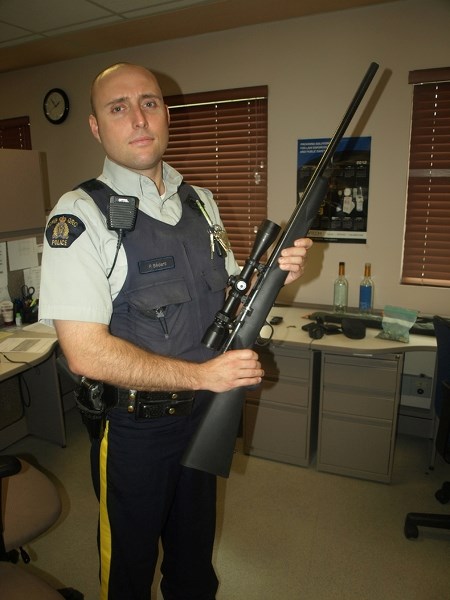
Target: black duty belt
column 152, row 405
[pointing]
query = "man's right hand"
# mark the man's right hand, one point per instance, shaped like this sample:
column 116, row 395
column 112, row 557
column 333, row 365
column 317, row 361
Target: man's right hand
column 235, row 368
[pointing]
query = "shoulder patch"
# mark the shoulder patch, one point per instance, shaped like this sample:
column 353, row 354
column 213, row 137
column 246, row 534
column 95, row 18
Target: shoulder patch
column 63, row 230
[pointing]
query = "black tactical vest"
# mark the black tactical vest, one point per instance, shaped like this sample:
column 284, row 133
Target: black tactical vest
column 173, row 288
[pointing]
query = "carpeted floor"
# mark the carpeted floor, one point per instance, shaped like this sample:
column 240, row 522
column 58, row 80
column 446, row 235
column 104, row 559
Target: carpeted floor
column 284, row 532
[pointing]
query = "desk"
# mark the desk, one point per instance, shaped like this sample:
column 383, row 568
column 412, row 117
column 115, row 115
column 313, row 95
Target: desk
column 335, row 394
column 44, row 415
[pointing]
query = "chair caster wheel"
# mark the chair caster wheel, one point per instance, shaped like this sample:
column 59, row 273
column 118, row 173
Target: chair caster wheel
column 443, row 495
column 411, row 531
column 24, row 556
column 13, row 556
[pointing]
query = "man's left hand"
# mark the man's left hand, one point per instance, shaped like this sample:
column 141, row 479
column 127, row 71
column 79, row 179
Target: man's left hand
column 293, row 259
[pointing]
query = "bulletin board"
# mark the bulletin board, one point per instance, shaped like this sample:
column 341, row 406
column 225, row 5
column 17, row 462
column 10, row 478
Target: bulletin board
column 23, row 203
column 20, row 265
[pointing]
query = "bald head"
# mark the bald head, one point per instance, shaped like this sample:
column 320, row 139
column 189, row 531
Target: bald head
column 114, row 70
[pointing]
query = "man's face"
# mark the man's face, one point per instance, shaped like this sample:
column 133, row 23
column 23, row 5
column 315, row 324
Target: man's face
column 131, row 120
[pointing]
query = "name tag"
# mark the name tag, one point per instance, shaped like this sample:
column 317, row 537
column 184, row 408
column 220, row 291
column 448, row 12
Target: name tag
column 156, row 264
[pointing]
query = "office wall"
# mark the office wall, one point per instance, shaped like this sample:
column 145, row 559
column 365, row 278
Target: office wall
column 312, row 66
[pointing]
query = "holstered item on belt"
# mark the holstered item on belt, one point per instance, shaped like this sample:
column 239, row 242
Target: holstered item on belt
column 89, row 399
column 152, row 405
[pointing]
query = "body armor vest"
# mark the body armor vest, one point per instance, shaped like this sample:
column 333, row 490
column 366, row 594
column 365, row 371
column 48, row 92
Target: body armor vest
column 173, row 288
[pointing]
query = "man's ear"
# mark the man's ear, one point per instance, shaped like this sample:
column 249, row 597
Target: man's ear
column 93, row 124
column 168, row 114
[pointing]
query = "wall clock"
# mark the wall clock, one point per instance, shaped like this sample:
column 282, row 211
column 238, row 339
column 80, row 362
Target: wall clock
column 56, row 106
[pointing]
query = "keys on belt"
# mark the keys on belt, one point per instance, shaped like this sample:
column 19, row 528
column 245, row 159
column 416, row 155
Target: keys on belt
column 152, row 405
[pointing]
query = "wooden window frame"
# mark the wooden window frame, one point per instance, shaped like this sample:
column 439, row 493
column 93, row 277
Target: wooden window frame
column 218, row 141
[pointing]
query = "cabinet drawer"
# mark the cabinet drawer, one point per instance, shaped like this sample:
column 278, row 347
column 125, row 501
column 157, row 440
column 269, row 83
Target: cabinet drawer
column 358, row 448
column 283, row 390
column 361, row 404
column 282, row 362
column 368, row 374
column 276, row 432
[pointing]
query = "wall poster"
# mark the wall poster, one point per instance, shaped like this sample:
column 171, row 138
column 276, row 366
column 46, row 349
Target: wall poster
column 343, row 214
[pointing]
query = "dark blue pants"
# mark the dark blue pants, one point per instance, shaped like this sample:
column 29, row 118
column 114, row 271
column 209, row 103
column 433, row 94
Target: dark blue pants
column 147, row 496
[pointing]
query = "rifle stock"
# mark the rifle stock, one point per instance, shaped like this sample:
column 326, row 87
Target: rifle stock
column 212, row 446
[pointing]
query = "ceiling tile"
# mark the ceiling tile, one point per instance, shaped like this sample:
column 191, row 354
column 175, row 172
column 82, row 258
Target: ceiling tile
column 84, row 25
column 30, row 15
column 119, row 6
column 9, row 32
column 160, row 7
column 149, row 6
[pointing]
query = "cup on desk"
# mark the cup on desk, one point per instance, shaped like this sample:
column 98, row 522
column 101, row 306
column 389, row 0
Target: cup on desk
column 7, row 312
column 30, row 311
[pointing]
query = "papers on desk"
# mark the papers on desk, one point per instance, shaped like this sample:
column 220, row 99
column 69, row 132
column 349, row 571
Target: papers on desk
column 31, row 345
column 39, row 328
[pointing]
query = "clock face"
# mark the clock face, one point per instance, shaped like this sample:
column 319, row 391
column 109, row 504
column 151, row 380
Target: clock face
column 56, row 106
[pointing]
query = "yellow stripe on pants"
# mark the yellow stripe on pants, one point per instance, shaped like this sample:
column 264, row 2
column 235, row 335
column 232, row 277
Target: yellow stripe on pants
column 105, row 529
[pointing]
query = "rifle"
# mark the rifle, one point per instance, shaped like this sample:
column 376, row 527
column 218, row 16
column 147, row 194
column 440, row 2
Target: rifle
column 211, row 447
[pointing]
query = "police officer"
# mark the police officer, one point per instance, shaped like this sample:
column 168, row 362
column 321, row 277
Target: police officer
column 132, row 315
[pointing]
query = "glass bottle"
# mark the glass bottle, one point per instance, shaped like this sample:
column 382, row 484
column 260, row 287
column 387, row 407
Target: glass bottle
column 366, row 291
column 340, row 295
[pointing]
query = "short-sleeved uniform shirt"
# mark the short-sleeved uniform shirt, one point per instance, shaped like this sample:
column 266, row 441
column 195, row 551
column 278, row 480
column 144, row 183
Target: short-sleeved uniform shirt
column 76, row 264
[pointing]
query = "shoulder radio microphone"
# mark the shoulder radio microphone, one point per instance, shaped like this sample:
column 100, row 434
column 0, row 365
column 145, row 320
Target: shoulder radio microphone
column 121, row 214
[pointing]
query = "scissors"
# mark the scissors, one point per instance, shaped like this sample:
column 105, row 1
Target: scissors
column 27, row 292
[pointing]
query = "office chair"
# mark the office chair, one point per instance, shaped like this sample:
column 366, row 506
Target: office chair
column 442, row 440
column 29, row 505
column 442, row 373
column 17, row 584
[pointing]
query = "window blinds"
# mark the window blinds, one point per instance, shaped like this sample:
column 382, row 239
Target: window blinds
column 15, row 133
column 426, row 257
column 218, row 140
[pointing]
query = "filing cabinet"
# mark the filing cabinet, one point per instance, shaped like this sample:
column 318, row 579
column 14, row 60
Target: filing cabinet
column 359, row 400
column 279, row 421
